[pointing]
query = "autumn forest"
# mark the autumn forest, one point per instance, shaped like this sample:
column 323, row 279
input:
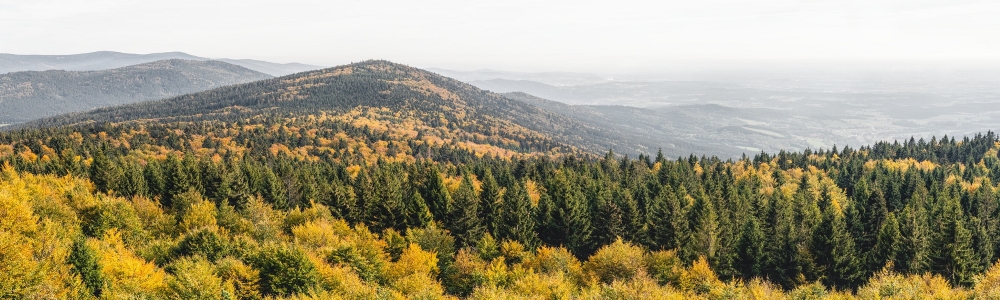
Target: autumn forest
column 380, row 181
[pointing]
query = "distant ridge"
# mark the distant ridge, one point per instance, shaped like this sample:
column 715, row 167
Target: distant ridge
column 381, row 94
column 105, row 60
column 29, row 95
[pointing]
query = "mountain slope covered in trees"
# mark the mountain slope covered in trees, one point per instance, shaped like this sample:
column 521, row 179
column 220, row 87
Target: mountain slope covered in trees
column 380, row 89
column 377, row 180
column 31, row 95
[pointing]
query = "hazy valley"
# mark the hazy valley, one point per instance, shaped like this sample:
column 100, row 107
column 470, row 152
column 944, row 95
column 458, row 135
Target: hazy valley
column 784, row 111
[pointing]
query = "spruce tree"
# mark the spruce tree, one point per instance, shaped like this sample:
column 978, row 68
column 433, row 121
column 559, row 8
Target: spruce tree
column 632, row 218
column 489, row 202
column 103, row 173
column 608, row 218
column 705, row 227
column 570, row 215
column 463, row 220
column 667, row 221
column 417, row 213
column 914, row 249
column 517, row 222
column 952, row 255
column 835, row 252
column 750, row 249
column 888, row 243
column 436, row 194
column 85, row 263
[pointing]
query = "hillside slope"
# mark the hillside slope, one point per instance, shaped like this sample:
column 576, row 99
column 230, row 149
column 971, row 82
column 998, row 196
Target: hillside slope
column 410, row 102
column 104, row 60
column 677, row 130
column 30, row 95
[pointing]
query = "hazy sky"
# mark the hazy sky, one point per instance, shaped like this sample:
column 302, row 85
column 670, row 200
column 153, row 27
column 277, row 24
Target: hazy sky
column 511, row 34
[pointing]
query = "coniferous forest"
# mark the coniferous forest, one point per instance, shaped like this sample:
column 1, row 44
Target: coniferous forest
column 449, row 198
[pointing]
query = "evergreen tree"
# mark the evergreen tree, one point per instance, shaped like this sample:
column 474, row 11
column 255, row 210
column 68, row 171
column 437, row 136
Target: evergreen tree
column 389, row 209
column 667, row 221
column 705, row 227
column 887, row 246
column 750, row 249
column 952, row 254
column 608, row 218
column 569, row 218
column 632, row 218
column 489, row 203
column 518, row 222
column 85, row 263
column 103, row 173
column 436, row 194
column 834, row 250
column 417, row 213
column 463, row 220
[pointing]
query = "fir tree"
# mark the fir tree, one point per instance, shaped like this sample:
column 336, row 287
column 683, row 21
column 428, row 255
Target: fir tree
column 750, row 249
column 952, row 254
column 667, row 221
column 463, row 220
column 518, row 222
column 417, row 213
column 489, row 202
column 887, row 245
column 436, row 194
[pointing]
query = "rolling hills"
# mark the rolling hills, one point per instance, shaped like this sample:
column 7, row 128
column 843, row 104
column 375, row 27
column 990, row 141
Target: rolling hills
column 406, row 102
column 30, row 95
column 104, row 60
column 397, row 180
column 514, row 121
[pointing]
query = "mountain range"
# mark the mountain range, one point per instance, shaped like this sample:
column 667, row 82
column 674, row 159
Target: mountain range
column 104, row 60
column 29, row 95
column 406, row 101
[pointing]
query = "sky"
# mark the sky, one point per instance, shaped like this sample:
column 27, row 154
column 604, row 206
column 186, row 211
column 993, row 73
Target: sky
column 514, row 35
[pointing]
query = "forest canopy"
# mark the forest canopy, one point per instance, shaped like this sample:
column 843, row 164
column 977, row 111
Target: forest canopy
column 205, row 211
column 378, row 181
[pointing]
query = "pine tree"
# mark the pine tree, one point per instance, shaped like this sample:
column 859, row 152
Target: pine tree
column 463, row 220
column 489, row 202
column 518, row 222
column 952, row 254
column 85, row 263
column 667, row 221
column 570, row 215
column 834, row 250
column 705, row 227
column 887, row 245
column 750, row 249
column 103, row 173
column 436, row 194
column 417, row 213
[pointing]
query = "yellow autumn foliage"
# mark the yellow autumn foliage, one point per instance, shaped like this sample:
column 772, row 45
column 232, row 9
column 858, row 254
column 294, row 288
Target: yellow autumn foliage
column 129, row 275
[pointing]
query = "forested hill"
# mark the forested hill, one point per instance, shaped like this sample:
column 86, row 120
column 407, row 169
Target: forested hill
column 391, row 94
column 31, row 95
column 377, row 180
